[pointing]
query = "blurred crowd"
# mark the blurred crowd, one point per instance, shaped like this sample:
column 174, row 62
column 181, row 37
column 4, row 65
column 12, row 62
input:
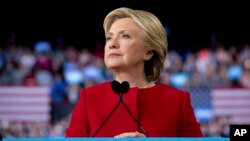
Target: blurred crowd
column 67, row 69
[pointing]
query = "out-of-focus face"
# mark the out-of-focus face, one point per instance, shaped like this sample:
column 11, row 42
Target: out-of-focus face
column 124, row 47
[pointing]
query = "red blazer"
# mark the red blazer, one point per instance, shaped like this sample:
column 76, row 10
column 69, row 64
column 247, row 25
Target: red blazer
column 163, row 111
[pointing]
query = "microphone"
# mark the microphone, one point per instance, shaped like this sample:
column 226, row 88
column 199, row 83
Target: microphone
column 120, row 89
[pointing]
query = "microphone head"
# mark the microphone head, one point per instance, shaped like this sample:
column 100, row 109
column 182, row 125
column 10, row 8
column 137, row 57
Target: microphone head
column 124, row 87
column 116, row 86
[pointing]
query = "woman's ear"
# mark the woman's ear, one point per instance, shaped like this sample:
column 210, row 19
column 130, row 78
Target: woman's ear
column 148, row 55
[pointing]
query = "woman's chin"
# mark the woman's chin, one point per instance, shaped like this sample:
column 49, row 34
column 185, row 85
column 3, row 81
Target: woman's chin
column 114, row 66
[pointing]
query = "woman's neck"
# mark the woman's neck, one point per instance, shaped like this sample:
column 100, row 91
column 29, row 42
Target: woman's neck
column 134, row 79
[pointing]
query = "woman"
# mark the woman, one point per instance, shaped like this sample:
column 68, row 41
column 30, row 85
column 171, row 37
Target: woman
column 135, row 51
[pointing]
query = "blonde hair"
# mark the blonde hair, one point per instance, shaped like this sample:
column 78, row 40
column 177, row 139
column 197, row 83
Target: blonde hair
column 154, row 36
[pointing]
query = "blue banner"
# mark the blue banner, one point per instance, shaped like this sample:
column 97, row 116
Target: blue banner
column 116, row 139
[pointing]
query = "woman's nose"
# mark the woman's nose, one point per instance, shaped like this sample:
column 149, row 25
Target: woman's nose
column 114, row 44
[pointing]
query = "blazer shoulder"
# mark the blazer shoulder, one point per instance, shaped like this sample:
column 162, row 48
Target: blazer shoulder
column 95, row 88
column 170, row 89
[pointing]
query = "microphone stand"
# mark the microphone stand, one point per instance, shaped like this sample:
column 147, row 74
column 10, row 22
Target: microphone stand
column 130, row 113
column 121, row 91
column 107, row 118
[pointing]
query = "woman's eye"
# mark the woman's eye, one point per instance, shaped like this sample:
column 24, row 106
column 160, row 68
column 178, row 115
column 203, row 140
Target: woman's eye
column 126, row 36
column 108, row 38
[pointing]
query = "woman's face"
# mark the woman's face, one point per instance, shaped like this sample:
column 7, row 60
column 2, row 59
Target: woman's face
column 124, row 45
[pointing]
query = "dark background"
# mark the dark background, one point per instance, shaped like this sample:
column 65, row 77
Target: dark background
column 190, row 26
